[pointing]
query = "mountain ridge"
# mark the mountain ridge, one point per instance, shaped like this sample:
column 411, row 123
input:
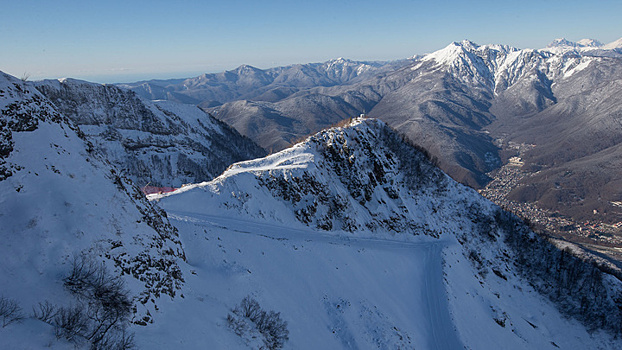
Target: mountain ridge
column 307, row 186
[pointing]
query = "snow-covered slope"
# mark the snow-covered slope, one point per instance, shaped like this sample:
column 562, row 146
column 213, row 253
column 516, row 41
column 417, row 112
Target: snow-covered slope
column 158, row 143
column 61, row 201
column 498, row 67
column 360, row 241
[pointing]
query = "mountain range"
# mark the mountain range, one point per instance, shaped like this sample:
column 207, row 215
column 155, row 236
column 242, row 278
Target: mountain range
column 474, row 107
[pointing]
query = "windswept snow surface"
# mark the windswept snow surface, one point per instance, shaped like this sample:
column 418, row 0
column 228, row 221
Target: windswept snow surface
column 335, row 291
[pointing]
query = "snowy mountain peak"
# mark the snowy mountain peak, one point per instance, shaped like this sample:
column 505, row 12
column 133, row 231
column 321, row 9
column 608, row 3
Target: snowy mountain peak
column 247, row 69
column 589, row 43
column 333, row 180
column 468, row 52
column 614, row 45
column 561, row 42
column 468, row 44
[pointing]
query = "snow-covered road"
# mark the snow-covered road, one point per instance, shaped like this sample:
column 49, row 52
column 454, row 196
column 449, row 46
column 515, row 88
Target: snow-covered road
column 426, row 316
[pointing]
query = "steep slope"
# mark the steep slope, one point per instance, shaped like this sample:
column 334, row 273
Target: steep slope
column 476, row 276
column 574, row 162
column 157, row 143
column 61, row 203
column 560, row 99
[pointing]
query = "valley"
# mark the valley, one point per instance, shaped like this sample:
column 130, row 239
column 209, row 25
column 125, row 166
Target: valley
column 595, row 236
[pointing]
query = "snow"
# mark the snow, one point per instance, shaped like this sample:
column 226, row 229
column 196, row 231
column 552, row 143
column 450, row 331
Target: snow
column 362, row 289
column 447, row 55
column 336, row 290
column 332, row 289
column 61, row 202
column 160, row 143
column 589, row 42
column 579, row 67
column 614, row 45
column 498, row 67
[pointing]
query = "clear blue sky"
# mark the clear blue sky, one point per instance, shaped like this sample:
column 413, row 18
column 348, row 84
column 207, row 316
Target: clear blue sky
column 119, row 41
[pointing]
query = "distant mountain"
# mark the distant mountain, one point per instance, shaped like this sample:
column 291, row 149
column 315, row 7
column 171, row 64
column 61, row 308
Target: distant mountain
column 363, row 189
column 581, row 43
column 250, row 83
column 159, row 143
column 65, row 211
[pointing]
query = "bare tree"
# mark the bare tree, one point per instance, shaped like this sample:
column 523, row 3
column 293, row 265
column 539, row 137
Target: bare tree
column 10, row 311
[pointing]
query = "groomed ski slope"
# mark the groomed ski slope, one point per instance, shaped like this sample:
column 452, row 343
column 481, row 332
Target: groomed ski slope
column 339, row 291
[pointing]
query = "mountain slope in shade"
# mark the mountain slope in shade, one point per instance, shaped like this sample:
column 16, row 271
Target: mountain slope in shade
column 60, row 200
column 157, row 143
column 476, row 276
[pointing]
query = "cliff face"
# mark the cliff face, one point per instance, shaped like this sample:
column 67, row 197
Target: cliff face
column 153, row 143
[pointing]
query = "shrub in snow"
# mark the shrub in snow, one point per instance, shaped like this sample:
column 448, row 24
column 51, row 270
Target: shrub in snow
column 249, row 317
column 100, row 316
column 45, row 312
column 10, row 311
column 71, row 323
